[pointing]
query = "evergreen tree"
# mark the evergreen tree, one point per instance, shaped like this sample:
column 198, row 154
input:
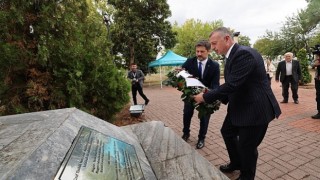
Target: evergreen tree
column 54, row 54
column 136, row 24
column 305, row 75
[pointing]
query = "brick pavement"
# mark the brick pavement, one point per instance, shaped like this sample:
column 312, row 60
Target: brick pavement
column 289, row 151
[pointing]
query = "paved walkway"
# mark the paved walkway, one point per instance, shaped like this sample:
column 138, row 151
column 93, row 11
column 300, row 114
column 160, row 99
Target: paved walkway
column 290, row 150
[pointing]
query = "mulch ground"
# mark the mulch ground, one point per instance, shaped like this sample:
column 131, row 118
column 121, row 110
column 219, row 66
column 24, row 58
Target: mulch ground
column 124, row 117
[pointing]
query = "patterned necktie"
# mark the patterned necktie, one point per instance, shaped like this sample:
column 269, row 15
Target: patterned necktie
column 200, row 70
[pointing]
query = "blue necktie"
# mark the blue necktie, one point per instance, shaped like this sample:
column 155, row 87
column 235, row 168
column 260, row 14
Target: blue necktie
column 200, row 70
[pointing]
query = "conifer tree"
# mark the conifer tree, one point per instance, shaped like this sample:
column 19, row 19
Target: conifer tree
column 55, row 54
column 305, row 74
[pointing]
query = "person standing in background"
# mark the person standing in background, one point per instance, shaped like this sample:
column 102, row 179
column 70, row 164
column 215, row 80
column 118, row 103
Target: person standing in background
column 137, row 77
column 289, row 72
column 316, row 65
column 269, row 69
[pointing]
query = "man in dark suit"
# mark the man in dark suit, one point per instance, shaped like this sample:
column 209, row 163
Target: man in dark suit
column 208, row 72
column 290, row 74
column 252, row 104
column 137, row 77
column 316, row 65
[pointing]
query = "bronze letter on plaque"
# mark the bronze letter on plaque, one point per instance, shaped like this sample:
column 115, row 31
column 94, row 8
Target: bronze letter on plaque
column 94, row 155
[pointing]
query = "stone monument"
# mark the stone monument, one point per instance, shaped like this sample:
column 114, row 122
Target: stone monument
column 72, row 144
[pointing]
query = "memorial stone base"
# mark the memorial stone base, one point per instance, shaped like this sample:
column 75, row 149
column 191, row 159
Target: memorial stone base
column 71, row 144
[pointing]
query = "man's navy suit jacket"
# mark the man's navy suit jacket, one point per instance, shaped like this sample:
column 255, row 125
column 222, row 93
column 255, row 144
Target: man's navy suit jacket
column 211, row 74
column 246, row 88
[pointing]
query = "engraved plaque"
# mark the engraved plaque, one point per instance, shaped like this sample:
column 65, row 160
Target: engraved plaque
column 94, row 155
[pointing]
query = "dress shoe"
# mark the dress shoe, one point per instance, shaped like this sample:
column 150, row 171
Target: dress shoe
column 239, row 178
column 284, row 101
column 185, row 137
column 317, row 116
column 200, row 144
column 228, row 168
column 146, row 102
column 296, row 102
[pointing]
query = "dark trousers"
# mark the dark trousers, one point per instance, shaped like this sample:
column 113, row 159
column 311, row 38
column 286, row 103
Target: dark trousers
column 134, row 88
column 317, row 86
column 269, row 79
column 242, row 145
column 187, row 115
column 288, row 80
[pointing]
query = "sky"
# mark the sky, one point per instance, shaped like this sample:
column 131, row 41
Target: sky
column 251, row 17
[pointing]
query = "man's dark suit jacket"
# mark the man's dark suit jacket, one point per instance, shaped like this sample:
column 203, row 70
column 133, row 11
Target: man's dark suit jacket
column 251, row 100
column 281, row 69
column 211, row 74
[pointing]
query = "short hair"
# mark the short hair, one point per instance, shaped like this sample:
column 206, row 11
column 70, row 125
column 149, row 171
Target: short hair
column 288, row 53
column 204, row 43
column 132, row 64
column 223, row 30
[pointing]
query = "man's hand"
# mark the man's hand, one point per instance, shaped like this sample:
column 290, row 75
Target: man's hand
column 198, row 98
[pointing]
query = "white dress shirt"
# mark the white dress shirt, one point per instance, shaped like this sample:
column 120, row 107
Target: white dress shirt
column 289, row 68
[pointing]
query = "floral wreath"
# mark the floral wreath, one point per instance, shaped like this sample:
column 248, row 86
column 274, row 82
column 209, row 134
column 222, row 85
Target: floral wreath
column 179, row 82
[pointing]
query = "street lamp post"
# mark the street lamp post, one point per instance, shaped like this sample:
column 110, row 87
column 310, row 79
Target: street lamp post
column 107, row 22
column 236, row 36
column 160, row 48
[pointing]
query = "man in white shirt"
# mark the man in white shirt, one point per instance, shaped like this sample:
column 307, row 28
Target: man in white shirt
column 289, row 72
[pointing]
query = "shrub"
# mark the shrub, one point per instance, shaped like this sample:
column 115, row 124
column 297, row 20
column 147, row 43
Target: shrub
column 305, row 75
column 64, row 62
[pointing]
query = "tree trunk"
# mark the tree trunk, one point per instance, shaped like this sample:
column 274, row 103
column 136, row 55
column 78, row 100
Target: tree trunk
column 131, row 48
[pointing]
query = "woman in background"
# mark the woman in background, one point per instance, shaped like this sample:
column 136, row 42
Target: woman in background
column 269, row 69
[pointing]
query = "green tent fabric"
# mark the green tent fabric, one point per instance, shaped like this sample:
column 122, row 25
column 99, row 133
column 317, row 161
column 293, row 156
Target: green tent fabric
column 168, row 59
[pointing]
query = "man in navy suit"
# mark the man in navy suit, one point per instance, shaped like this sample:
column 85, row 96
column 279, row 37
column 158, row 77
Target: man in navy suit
column 252, row 104
column 290, row 74
column 208, row 72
